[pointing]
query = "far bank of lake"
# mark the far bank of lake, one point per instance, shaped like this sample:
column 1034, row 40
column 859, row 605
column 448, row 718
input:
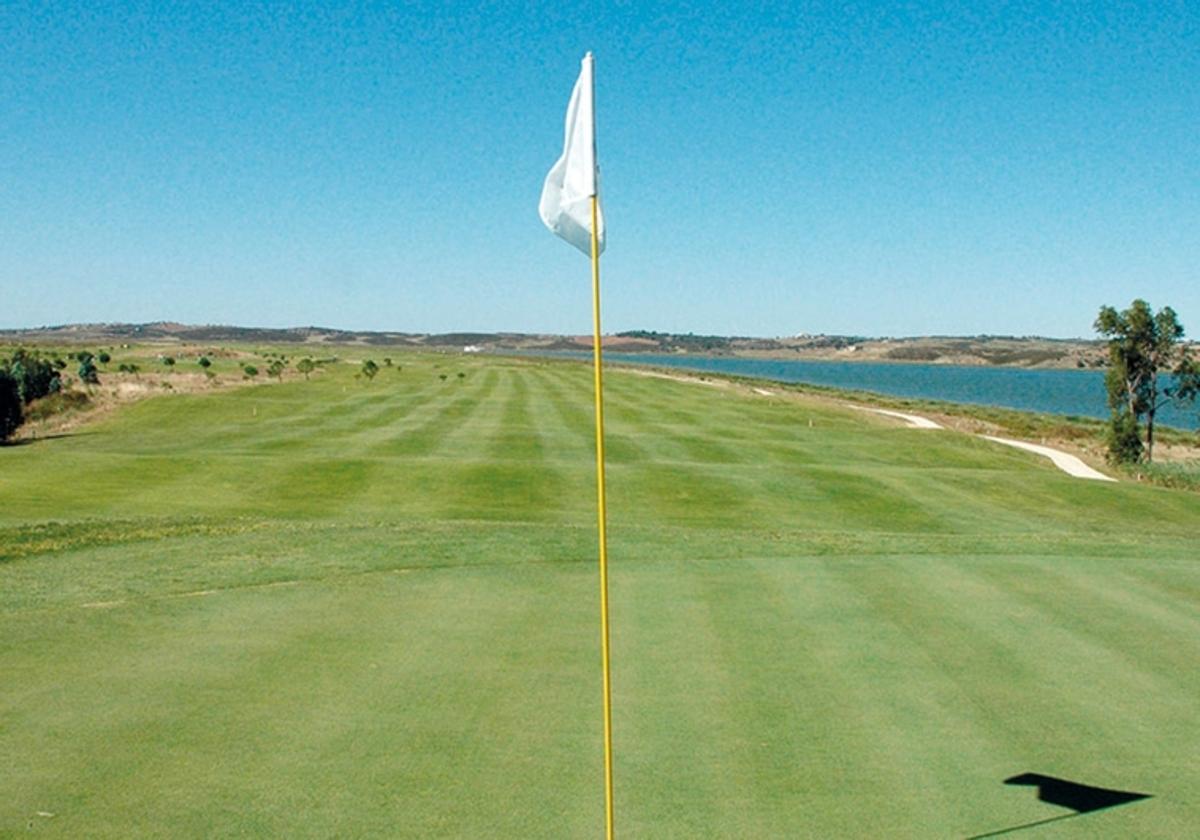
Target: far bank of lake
column 1066, row 392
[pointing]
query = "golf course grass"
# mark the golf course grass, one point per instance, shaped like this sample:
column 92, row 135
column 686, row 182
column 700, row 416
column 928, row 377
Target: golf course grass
column 350, row 608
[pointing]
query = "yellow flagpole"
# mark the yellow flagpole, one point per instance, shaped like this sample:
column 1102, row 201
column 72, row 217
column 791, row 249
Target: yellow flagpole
column 602, row 515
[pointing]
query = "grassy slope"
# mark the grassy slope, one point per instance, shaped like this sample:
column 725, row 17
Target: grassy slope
column 336, row 608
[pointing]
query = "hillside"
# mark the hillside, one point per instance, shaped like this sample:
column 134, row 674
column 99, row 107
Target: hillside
column 1025, row 351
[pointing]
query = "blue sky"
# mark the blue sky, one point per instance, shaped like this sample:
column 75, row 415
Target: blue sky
column 768, row 169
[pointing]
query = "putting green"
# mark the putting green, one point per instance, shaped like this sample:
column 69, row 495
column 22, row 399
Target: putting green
column 339, row 608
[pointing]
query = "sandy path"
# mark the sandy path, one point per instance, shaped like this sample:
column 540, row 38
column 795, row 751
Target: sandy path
column 1064, row 461
column 914, row 421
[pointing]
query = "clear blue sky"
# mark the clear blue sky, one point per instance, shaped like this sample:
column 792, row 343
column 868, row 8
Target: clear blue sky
column 768, row 169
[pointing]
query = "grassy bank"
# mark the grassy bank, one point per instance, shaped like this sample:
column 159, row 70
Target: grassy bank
column 1086, row 435
column 342, row 607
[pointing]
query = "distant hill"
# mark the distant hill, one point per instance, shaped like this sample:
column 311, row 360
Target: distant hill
column 1023, row 351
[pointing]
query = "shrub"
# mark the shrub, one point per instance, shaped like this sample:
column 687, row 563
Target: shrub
column 35, row 377
column 61, row 403
column 1124, row 440
column 87, row 371
column 10, row 405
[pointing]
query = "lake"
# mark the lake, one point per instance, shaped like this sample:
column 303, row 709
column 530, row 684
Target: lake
column 1067, row 392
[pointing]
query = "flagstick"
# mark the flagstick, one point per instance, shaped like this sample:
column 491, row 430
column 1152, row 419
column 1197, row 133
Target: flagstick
column 603, row 520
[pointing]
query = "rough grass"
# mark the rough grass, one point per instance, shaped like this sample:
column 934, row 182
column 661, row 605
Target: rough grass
column 339, row 608
column 1183, row 475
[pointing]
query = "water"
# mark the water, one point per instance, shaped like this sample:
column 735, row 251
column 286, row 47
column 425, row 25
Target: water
column 1068, row 392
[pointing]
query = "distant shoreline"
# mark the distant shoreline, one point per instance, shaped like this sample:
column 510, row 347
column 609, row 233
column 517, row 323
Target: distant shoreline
column 982, row 351
column 1067, row 394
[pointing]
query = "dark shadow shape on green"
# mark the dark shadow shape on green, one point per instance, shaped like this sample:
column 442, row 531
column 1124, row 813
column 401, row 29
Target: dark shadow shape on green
column 1080, row 798
column 31, row 441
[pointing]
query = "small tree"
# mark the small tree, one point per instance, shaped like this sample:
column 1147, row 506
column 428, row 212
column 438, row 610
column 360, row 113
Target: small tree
column 87, row 370
column 10, row 405
column 35, row 377
column 275, row 369
column 1148, row 367
column 250, row 371
column 204, row 362
column 306, row 366
column 169, row 361
column 103, row 357
column 369, row 369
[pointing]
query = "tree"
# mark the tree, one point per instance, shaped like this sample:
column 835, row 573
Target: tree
column 369, row 369
column 1148, row 367
column 169, row 361
column 275, row 369
column 204, row 362
column 35, row 377
column 250, row 371
column 87, row 370
column 103, row 357
column 306, row 366
column 10, row 405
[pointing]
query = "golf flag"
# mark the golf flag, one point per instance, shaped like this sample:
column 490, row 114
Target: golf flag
column 566, row 205
column 570, row 207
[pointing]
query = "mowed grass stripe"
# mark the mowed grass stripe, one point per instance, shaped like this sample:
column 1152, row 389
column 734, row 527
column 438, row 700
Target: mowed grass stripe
column 575, row 400
column 567, row 425
column 1087, row 606
column 423, row 431
column 632, row 412
column 939, row 611
column 679, row 714
column 319, row 704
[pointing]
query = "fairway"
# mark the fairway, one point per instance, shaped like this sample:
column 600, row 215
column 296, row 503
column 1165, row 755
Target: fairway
column 351, row 608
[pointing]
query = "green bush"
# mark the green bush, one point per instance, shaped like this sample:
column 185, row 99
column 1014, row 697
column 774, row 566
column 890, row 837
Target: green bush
column 10, row 406
column 87, row 370
column 1124, row 440
column 35, row 377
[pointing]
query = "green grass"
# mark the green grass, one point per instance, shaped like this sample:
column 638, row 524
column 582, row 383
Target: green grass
column 340, row 608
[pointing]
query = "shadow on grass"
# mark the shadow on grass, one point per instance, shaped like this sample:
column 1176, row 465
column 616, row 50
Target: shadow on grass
column 1080, row 798
column 30, row 441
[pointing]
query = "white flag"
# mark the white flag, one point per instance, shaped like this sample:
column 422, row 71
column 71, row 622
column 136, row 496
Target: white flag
column 566, row 205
